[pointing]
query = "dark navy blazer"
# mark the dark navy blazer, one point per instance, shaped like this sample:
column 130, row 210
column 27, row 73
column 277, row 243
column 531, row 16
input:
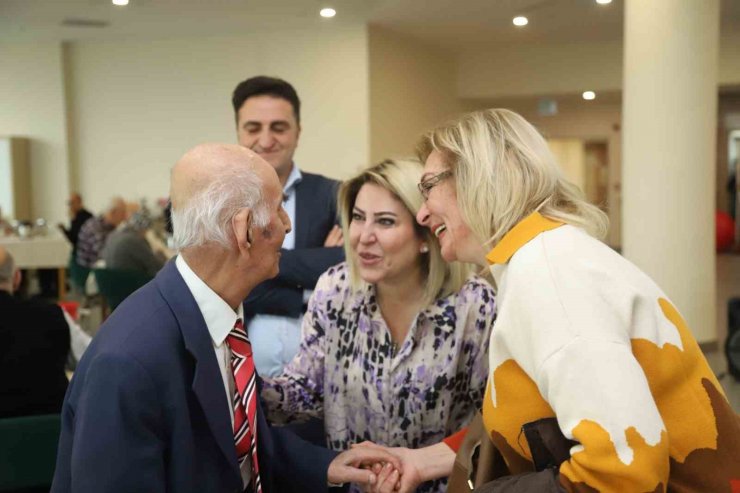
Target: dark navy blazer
column 146, row 410
column 300, row 268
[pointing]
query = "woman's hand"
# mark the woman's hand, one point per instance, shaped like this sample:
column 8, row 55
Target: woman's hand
column 335, row 238
column 417, row 466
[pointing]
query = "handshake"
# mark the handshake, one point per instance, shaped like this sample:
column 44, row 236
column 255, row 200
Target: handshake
column 389, row 470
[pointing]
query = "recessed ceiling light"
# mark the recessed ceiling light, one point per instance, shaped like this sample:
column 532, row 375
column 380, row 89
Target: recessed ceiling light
column 520, row 21
column 603, row 2
column 120, row 3
column 589, row 95
column 328, row 13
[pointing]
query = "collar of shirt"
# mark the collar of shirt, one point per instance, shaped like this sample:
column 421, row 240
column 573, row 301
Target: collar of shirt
column 521, row 234
column 294, row 178
column 289, row 204
column 219, row 316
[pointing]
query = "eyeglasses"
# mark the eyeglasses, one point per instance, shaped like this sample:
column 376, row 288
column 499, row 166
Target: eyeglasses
column 426, row 186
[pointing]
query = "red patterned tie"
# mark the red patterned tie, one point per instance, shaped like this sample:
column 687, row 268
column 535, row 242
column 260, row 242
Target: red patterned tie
column 245, row 400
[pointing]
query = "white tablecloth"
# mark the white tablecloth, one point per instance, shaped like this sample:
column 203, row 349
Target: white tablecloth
column 38, row 252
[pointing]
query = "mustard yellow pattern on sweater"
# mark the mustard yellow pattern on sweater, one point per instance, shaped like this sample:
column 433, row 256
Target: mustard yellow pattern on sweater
column 520, row 402
column 683, row 403
column 696, row 449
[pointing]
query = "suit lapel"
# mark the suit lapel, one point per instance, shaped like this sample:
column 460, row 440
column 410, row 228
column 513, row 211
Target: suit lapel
column 207, row 381
column 302, row 214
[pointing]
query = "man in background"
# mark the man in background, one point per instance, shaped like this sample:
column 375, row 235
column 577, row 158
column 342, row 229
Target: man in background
column 34, row 343
column 78, row 216
column 268, row 121
column 94, row 232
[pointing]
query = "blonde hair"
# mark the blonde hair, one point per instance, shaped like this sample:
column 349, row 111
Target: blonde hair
column 504, row 171
column 400, row 177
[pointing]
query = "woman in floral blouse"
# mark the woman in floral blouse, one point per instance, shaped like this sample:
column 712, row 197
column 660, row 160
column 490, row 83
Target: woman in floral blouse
column 394, row 341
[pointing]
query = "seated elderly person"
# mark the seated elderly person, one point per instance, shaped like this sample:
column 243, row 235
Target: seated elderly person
column 35, row 339
column 394, row 342
column 128, row 249
column 94, row 232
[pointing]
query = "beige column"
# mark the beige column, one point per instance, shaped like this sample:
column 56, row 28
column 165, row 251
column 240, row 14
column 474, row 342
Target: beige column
column 668, row 161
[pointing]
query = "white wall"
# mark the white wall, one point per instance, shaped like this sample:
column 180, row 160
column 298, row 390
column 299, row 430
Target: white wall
column 536, row 69
column 549, row 68
column 137, row 106
column 412, row 89
column 32, row 105
column 729, row 58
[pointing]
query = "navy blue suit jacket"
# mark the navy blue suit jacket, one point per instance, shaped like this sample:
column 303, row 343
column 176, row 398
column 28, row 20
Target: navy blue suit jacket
column 300, row 268
column 146, row 409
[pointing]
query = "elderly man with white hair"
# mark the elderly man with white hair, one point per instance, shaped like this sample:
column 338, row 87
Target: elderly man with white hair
column 167, row 397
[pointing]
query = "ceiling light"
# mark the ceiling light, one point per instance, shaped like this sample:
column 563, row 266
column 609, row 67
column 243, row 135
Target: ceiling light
column 120, row 3
column 603, row 2
column 328, row 13
column 520, row 21
column 589, row 95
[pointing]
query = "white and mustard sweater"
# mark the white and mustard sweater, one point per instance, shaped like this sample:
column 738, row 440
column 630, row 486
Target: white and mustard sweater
column 584, row 336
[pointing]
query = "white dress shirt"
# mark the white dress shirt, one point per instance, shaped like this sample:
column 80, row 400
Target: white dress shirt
column 220, row 319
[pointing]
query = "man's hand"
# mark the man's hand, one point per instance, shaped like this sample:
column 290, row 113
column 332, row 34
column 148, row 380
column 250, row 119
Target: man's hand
column 350, row 466
column 335, row 237
column 390, row 480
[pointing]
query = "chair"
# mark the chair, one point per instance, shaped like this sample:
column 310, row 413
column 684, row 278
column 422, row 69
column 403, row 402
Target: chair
column 28, row 451
column 116, row 285
column 78, row 274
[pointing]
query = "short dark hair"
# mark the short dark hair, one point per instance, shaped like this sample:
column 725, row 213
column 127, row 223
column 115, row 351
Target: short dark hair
column 270, row 86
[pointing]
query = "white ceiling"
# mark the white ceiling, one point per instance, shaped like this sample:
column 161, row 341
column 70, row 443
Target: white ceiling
column 451, row 25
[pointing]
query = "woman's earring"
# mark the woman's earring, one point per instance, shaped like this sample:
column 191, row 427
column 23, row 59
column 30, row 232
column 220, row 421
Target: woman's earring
column 424, row 248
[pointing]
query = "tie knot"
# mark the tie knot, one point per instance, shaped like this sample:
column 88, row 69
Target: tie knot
column 238, row 340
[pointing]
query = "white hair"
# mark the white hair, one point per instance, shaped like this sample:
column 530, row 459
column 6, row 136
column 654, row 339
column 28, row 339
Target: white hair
column 206, row 216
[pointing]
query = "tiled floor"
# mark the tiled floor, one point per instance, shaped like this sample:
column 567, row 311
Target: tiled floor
column 732, row 387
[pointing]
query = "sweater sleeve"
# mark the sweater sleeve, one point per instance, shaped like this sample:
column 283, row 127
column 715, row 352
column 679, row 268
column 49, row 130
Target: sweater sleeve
column 299, row 390
column 455, row 440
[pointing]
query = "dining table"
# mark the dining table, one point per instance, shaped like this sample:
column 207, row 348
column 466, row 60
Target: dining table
column 40, row 251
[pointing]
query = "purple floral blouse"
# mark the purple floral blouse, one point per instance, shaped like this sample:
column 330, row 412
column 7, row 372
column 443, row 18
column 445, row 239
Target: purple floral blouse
column 348, row 371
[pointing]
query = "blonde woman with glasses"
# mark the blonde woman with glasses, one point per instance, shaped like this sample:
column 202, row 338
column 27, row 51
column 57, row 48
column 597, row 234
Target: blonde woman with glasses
column 596, row 383
column 394, row 342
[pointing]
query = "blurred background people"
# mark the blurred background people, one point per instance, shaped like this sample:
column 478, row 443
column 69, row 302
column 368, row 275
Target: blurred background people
column 35, row 339
column 268, row 121
column 127, row 248
column 394, row 343
column 94, row 232
column 78, row 215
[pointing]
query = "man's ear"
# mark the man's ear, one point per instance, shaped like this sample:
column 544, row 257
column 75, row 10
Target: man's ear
column 242, row 226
